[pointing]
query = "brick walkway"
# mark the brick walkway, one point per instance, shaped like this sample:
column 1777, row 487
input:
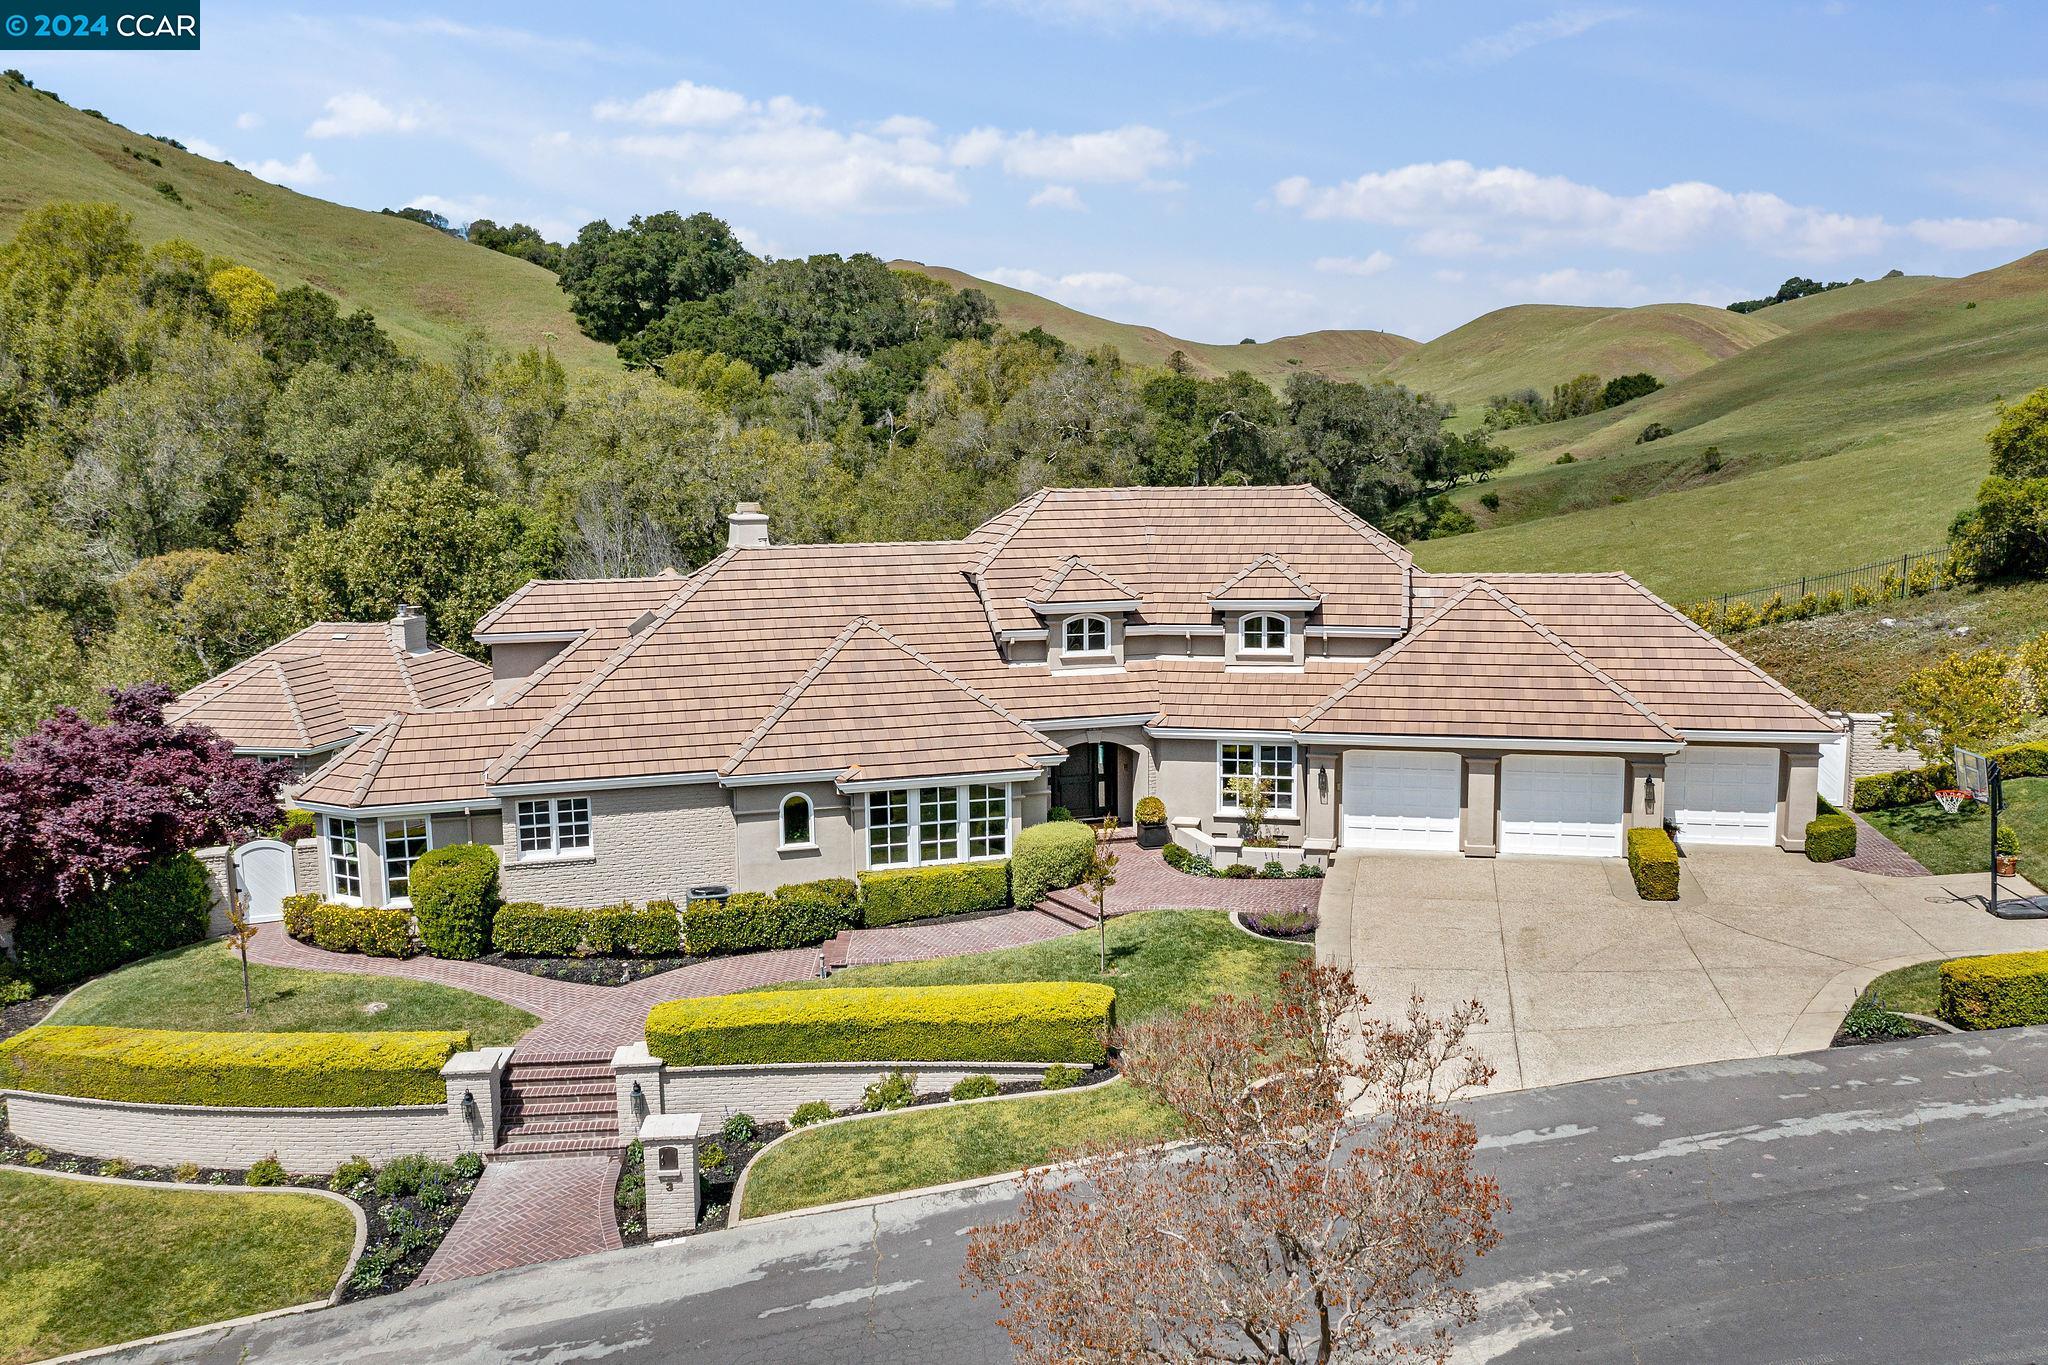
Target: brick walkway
column 536, row 995
column 1879, row 855
column 526, row 1212
column 1145, row 882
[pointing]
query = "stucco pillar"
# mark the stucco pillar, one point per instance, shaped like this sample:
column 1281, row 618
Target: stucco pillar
column 1482, row 807
column 668, row 1146
column 635, row 1068
column 476, row 1096
column 1798, row 797
column 1649, row 796
column 1322, row 791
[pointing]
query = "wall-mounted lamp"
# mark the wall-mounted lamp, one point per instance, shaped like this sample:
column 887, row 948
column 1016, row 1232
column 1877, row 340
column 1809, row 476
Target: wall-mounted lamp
column 1649, row 796
column 470, row 1115
column 1323, row 785
column 639, row 1100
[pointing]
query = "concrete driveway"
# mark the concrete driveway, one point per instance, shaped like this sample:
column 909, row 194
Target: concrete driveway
column 1761, row 953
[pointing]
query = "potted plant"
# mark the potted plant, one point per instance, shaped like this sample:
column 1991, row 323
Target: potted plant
column 2007, row 850
column 1151, row 814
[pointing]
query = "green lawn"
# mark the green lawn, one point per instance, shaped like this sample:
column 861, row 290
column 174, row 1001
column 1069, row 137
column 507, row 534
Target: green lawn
column 200, row 987
column 88, row 1265
column 935, row 1146
column 1162, row 960
column 1962, row 842
column 1913, row 990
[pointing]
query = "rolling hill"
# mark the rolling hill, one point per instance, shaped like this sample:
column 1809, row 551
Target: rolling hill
column 1338, row 354
column 425, row 288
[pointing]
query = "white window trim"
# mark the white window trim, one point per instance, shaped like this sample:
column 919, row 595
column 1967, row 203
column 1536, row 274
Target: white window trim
column 1108, row 650
column 554, row 852
column 782, row 824
column 384, row 856
column 1284, row 649
column 327, row 859
column 961, row 823
column 1226, row 807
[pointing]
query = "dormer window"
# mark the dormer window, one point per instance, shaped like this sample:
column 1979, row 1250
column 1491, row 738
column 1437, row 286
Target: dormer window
column 1263, row 634
column 1086, row 635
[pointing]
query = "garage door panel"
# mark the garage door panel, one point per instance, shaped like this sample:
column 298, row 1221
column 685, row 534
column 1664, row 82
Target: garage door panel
column 1725, row 795
column 1564, row 806
column 1401, row 799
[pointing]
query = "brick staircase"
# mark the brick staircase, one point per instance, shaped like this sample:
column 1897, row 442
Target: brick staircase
column 562, row 1104
column 1070, row 907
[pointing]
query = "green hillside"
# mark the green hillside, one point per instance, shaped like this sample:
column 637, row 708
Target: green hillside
column 1534, row 346
column 1794, row 314
column 1854, row 436
column 1338, row 354
column 425, row 288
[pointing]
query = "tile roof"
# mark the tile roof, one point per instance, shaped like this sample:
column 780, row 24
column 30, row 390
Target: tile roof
column 559, row 605
column 1076, row 580
column 324, row 685
column 1266, row 579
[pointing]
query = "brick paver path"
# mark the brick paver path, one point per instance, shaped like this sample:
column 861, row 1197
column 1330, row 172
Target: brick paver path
column 526, row 1212
column 536, row 995
column 1145, row 882
column 1878, row 854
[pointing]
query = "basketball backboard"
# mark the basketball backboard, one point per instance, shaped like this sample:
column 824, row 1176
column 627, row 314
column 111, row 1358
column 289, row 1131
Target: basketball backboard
column 1973, row 774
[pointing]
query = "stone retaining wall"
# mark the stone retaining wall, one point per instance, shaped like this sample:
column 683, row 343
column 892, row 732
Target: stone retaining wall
column 305, row 1140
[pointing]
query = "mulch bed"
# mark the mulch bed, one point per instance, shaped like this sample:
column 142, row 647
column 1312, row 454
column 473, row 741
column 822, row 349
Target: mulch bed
column 22, row 1017
column 386, row 1266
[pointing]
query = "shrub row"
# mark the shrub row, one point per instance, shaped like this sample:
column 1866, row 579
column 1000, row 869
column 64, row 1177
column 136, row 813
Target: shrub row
column 906, row 893
column 795, row 916
column 1048, row 857
column 1653, row 862
column 1736, row 617
column 1911, row 786
column 1830, row 836
column 1033, row 1021
column 263, row 1070
column 2000, row 991
column 163, row 905
column 368, row 929
column 529, row 929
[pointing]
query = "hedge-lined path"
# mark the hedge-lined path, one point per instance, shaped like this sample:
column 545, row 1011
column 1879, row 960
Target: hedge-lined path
column 527, row 1212
column 537, row 995
column 1145, row 882
column 1877, row 854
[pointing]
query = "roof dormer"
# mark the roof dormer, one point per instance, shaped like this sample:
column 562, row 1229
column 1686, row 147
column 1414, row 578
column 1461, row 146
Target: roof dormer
column 1074, row 585
column 1266, row 584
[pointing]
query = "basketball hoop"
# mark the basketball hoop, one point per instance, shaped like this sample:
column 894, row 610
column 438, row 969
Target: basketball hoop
column 1951, row 799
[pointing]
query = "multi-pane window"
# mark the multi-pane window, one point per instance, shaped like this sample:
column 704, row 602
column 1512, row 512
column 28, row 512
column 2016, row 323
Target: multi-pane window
column 1087, row 635
column 938, row 824
column 343, row 867
column 796, row 820
column 405, row 840
column 1273, row 762
column 548, row 829
column 1262, row 634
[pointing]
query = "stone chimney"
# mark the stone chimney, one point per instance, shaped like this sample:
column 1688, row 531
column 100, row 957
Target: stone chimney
column 409, row 630
column 747, row 527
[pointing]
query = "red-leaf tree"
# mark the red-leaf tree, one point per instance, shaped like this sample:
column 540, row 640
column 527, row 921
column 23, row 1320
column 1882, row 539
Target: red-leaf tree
column 1321, row 1209
column 84, row 804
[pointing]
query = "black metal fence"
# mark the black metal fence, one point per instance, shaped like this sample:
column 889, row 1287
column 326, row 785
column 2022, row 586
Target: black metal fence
column 1879, row 579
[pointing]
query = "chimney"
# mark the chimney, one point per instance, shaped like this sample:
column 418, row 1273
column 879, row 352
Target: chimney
column 409, row 630
column 747, row 527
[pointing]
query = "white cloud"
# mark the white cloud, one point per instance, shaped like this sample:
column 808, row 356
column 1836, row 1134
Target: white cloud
column 1197, row 309
column 357, row 114
column 298, row 174
column 454, row 210
column 1975, row 234
column 1377, row 262
column 1248, row 17
column 1572, row 285
column 249, row 121
column 1058, row 197
column 905, row 125
column 682, row 105
column 1457, row 209
column 1127, row 155
column 1510, row 42
column 199, row 146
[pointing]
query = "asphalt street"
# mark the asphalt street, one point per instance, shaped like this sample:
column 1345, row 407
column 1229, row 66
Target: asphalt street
column 1869, row 1204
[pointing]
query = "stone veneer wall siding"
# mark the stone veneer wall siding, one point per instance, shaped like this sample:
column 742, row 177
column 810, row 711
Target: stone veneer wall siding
column 647, row 843
column 304, row 1140
column 1868, row 754
column 772, row 1093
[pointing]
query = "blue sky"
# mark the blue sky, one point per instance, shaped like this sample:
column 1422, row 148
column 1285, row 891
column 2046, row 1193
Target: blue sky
column 1217, row 168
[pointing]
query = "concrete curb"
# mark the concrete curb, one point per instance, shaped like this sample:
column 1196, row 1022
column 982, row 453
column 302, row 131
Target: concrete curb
column 1309, row 944
column 334, row 1296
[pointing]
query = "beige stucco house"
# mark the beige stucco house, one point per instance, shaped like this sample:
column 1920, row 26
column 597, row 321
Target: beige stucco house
column 789, row 712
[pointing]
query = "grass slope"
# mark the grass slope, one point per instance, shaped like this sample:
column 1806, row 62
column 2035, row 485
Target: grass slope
column 1339, row 354
column 1945, row 843
column 426, row 288
column 1854, row 436
column 200, row 987
column 89, row 1265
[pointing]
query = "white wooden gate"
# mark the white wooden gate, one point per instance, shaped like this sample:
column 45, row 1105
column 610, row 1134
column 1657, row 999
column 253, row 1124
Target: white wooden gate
column 263, row 871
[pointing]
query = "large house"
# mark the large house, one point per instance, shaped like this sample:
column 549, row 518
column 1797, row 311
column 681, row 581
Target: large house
column 789, row 712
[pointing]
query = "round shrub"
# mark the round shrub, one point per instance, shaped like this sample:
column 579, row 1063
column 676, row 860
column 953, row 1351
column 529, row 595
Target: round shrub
column 350, row 1174
column 1048, row 857
column 974, row 1088
column 268, row 1171
column 810, row 1112
column 892, row 1091
column 740, row 1129
column 710, row 1156
column 1151, row 811
column 454, row 896
column 1062, row 1078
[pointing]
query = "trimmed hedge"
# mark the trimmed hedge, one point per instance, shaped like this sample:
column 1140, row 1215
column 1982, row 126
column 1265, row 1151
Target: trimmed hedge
column 1910, row 787
column 1048, row 857
column 796, row 916
column 1653, row 862
column 529, row 929
column 1031, row 1021
column 906, row 893
column 454, row 894
column 261, row 1070
column 162, row 905
column 366, row 929
column 2000, row 991
column 1830, row 836
column 298, row 914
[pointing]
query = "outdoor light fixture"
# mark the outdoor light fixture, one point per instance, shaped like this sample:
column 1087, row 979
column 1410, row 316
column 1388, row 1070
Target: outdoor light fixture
column 1649, row 796
column 639, row 1100
column 1323, row 783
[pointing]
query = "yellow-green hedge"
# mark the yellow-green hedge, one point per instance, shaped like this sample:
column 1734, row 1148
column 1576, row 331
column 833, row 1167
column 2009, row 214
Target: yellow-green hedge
column 1999, row 991
column 1031, row 1021
column 261, row 1070
column 1653, row 862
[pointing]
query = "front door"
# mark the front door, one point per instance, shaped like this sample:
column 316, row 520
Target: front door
column 1086, row 782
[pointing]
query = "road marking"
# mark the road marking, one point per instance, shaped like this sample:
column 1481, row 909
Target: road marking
column 1529, row 1136
column 843, row 1297
column 1838, row 1124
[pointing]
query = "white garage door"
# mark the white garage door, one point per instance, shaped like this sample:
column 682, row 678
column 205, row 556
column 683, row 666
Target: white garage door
column 1724, row 796
column 1558, row 805
column 1401, row 798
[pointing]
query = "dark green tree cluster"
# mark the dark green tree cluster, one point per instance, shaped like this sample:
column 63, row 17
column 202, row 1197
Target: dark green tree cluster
column 2006, row 534
column 1798, row 287
column 1575, row 397
column 516, row 239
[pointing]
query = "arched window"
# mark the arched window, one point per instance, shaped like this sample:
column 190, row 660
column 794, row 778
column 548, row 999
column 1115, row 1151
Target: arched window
column 796, row 820
column 1087, row 635
column 1262, row 635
